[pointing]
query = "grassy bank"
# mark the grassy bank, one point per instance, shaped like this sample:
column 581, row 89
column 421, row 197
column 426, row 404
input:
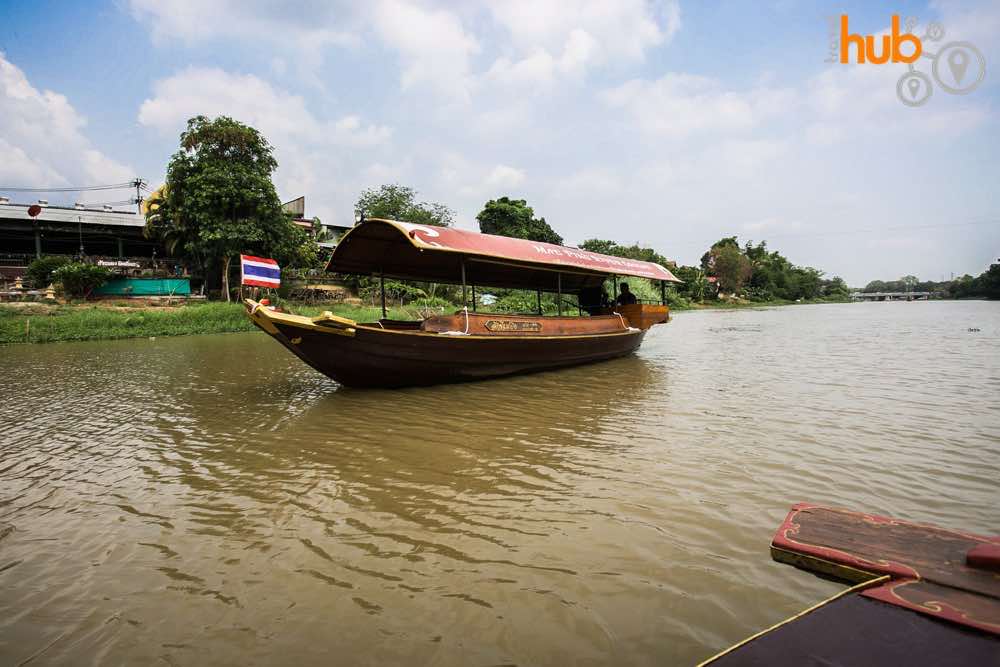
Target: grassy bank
column 43, row 323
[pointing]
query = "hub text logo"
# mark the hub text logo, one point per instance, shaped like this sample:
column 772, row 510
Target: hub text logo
column 957, row 67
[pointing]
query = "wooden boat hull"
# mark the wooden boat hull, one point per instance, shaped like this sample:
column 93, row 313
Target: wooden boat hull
column 369, row 356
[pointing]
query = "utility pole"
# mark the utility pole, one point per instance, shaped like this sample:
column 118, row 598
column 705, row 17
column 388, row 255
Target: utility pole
column 138, row 184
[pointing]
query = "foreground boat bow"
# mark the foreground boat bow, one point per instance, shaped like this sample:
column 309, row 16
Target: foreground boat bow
column 923, row 595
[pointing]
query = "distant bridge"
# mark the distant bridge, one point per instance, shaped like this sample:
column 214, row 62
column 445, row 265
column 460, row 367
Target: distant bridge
column 890, row 296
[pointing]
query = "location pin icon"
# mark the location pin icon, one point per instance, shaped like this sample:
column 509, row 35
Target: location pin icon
column 958, row 62
column 914, row 86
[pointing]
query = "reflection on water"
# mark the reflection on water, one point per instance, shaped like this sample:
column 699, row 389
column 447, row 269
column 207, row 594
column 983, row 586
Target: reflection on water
column 212, row 499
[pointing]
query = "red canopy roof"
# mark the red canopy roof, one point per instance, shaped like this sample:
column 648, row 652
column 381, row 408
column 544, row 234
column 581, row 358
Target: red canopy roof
column 423, row 252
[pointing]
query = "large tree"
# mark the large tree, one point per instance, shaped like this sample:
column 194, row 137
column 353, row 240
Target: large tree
column 219, row 200
column 513, row 217
column 730, row 266
column 398, row 202
column 706, row 259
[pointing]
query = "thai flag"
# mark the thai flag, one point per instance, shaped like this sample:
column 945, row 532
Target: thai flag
column 259, row 271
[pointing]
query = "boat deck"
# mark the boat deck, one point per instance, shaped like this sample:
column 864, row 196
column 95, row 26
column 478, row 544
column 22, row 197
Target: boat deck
column 854, row 630
column 925, row 595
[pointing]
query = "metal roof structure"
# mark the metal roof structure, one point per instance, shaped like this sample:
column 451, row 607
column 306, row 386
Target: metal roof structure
column 448, row 255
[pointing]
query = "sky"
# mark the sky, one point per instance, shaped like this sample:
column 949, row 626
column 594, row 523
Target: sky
column 668, row 123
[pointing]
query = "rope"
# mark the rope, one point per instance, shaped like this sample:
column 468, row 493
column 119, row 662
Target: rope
column 624, row 326
column 460, row 333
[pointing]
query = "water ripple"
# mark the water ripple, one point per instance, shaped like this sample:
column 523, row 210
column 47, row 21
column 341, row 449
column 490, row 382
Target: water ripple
column 212, row 499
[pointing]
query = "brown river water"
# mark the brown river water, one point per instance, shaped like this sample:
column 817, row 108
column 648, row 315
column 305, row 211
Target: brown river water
column 211, row 500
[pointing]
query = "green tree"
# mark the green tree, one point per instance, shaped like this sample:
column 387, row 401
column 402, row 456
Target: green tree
column 990, row 282
column 39, row 272
column 398, row 202
column 836, row 288
column 706, row 259
column 695, row 285
column 730, row 266
column 219, row 200
column 513, row 217
column 804, row 283
column 875, row 286
column 986, row 284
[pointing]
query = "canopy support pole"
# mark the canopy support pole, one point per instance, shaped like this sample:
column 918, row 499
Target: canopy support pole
column 663, row 293
column 473, row 297
column 559, row 294
column 614, row 294
column 538, row 293
column 381, row 284
column 465, row 291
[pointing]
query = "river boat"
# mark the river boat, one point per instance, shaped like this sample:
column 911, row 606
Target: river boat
column 467, row 344
column 921, row 594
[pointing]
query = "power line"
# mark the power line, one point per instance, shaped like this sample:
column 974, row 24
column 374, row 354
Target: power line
column 89, row 188
column 121, row 202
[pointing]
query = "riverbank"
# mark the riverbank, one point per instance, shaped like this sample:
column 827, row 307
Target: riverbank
column 45, row 323
column 724, row 305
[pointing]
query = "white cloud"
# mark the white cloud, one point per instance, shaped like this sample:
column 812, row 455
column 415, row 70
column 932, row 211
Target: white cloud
column 503, row 176
column 249, row 99
column 305, row 30
column 42, row 143
column 590, row 183
column 315, row 156
column 552, row 38
column 433, row 46
column 539, row 40
column 771, row 225
column 476, row 183
column 678, row 105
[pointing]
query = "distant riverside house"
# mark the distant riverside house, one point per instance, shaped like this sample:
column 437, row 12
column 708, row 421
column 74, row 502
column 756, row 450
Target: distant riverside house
column 102, row 232
column 327, row 236
column 107, row 235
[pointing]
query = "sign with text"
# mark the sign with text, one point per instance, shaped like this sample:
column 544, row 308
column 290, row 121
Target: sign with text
column 956, row 67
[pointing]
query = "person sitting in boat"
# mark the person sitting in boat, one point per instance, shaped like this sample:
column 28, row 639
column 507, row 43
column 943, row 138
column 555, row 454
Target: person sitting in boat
column 594, row 300
column 626, row 297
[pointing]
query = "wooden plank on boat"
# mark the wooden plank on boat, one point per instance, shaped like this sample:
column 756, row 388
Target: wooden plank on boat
column 928, row 563
column 485, row 324
column 951, row 604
